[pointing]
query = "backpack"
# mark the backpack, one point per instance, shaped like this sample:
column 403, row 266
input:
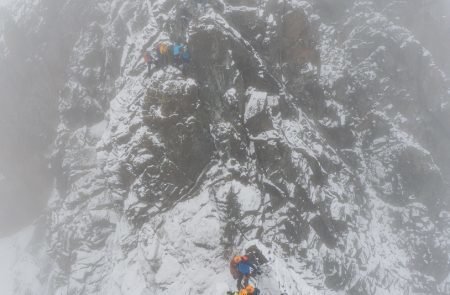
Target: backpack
column 247, row 267
column 163, row 49
column 176, row 49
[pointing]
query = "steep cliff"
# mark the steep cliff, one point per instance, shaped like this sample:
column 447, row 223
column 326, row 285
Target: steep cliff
column 317, row 130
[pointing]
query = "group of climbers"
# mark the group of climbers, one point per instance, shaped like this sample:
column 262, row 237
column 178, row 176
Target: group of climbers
column 242, row 268
column 165, row 54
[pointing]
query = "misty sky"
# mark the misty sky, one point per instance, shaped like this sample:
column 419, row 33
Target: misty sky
column 2, row 2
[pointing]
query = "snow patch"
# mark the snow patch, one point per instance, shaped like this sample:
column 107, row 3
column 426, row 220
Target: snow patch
column 256, row 103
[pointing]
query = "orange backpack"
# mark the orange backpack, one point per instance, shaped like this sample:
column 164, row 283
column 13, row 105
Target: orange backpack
column 163, row 48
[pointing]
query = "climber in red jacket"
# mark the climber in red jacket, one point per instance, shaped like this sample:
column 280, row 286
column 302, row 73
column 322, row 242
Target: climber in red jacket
column 148, row 61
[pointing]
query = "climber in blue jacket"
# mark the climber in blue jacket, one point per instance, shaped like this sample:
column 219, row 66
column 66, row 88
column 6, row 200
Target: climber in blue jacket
column 245, row 269
column 177, row 49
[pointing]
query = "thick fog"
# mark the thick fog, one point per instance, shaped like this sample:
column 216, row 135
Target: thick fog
column 374, row 93
column 28, row 122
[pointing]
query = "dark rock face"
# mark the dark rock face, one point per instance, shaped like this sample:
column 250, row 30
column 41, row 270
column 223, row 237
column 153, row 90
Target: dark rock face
column 320, row 130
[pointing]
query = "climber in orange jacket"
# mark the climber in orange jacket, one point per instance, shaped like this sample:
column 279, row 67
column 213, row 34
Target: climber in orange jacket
column 234, row 263
column 249, row 290
column 164, row 51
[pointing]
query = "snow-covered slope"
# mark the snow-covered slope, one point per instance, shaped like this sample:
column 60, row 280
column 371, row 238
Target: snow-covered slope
column 316, row 130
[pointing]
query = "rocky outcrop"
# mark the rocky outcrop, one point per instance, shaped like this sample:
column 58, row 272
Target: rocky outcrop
column 319, row 131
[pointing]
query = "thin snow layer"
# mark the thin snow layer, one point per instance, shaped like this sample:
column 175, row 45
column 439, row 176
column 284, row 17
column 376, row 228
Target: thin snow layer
column 332, row 56
column 256, row 103
column 282, row 276
column 162, row 263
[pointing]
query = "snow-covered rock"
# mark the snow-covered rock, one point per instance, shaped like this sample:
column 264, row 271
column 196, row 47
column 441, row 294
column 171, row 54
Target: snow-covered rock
column 316, row 130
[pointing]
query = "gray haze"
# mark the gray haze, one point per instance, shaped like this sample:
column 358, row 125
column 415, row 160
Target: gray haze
column 319, row 128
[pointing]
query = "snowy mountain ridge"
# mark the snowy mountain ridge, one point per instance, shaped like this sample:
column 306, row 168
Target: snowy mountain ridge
column 315, row 130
